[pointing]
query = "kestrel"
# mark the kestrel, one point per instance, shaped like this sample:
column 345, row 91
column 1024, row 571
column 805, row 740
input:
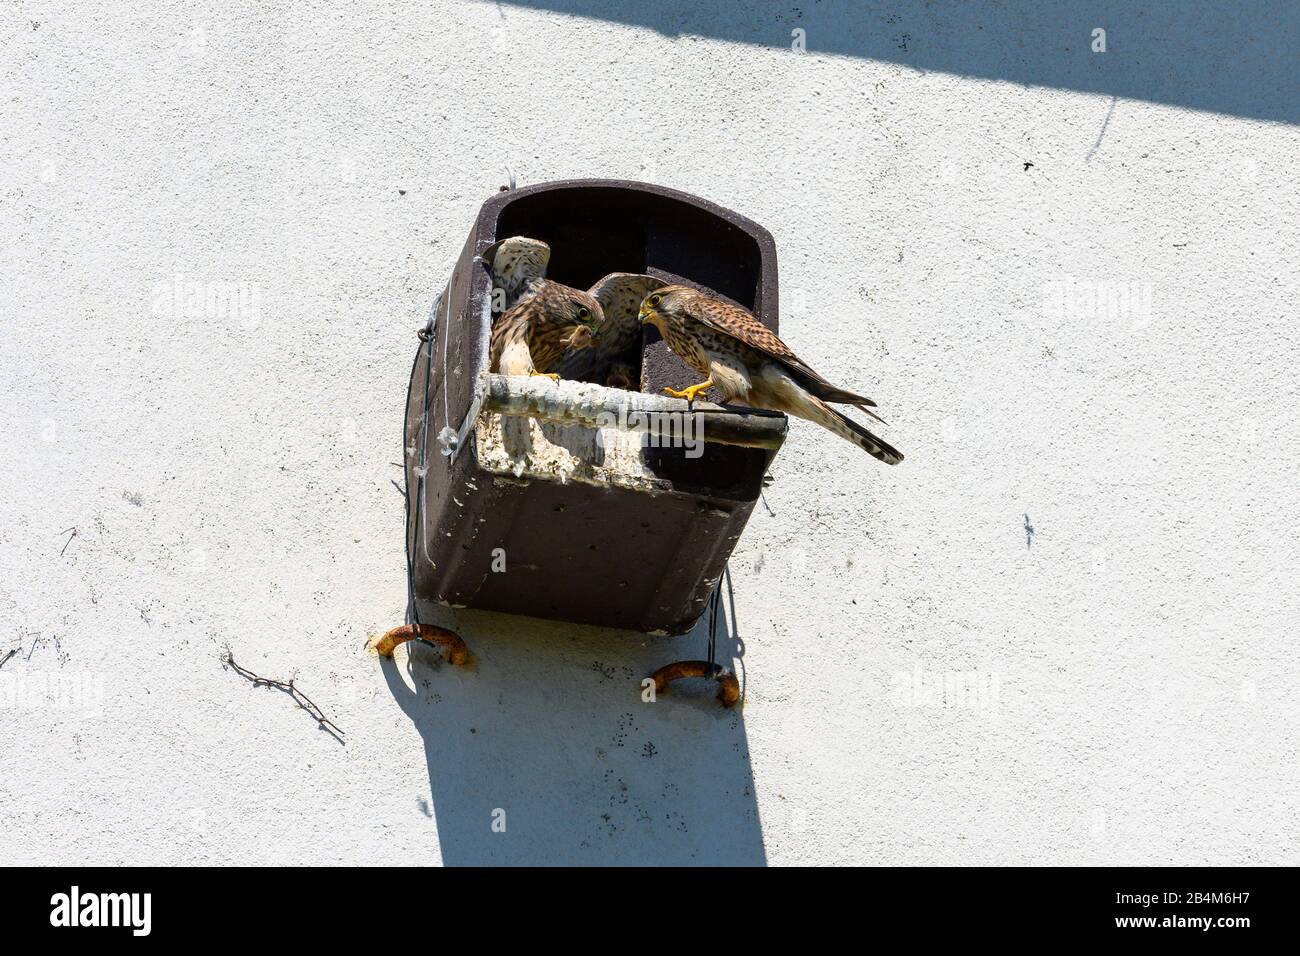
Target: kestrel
column 616, row 352
column 621, row 375
column 744, row 360
column 516, row 263
column 530, row 338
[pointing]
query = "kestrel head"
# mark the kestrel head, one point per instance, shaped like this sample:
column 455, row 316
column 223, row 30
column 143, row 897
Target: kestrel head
column 665, row 303
column 573, row 307
column 619, row 375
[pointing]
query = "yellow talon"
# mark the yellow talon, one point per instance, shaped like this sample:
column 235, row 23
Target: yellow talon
column 553, row 376
column 690, row 392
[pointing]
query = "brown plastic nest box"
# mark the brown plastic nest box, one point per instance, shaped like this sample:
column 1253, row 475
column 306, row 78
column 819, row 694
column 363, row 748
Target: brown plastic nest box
column 569, row 500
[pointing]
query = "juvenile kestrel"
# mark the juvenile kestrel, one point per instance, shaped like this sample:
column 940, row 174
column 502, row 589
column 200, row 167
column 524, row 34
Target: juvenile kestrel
column 530, row 338
column 622, row 375
column 741, row 358
column 516, row 263
column 616, row 352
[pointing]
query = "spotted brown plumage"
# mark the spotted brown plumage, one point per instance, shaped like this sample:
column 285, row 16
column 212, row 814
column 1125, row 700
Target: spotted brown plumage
column 515, row 263
column 745, row 360
column 616, row 353
column 530, row 337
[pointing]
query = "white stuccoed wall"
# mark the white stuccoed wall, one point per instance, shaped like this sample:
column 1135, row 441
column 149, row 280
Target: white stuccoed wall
column 229, row 475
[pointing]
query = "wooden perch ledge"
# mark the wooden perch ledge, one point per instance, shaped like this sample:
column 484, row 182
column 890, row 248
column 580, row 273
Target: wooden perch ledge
column 593, row 406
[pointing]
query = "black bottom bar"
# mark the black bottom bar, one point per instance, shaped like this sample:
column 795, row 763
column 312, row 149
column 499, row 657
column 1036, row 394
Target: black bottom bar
column 1173, row 906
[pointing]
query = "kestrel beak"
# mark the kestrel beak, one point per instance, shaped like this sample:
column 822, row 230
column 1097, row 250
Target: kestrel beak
column 645, row 314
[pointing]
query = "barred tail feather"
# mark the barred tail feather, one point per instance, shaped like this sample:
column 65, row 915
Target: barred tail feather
column 774, row 388
column 850, row 430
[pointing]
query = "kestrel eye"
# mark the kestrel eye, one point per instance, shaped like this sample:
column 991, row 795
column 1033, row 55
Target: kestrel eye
column 583, row 315
column 656, row 299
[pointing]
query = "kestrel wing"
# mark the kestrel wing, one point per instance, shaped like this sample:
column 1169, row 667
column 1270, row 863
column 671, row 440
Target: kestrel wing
column 624, row 291
column 619, row 295
column 739, row 324
column 515, row 263
column 508, row 351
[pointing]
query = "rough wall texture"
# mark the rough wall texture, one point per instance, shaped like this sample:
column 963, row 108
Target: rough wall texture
column 1063, row 630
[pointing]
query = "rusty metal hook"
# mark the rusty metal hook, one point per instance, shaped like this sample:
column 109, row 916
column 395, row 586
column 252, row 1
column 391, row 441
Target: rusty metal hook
column 457, row 650
column 728, row 685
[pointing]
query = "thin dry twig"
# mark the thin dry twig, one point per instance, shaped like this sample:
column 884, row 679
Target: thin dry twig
column 290, row 688
column 5, row 660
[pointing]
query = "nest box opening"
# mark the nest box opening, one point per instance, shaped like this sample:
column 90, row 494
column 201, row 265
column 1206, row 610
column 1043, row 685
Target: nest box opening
column 594, row 230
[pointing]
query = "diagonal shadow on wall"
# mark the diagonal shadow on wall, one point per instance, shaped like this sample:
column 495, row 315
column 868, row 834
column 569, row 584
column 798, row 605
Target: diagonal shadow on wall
column 1236, row 58
column 548, row 725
